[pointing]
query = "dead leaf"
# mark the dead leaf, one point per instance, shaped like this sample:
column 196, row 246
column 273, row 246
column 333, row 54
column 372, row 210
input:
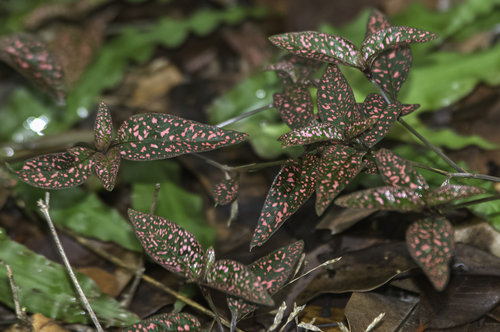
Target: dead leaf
column 479, row 234
column 338, row 219
column 44, row 324
column 106, row 281
column 316, row 312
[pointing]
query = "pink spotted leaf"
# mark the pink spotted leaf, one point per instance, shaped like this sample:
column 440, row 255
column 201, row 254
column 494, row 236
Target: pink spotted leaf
column 56, row 170
column 103, row 129
column 398, row 172
column 81, row 152
column 172, row 322
column 408, row 109
column 291, row 188
column 170, row 245
column 226, row 191
column 158, row 136
column 450, row 193
column 296, row 67
column 431, row 243
column 319, row 46
column 384, row 198
column 273, row 270
column 392, row 37
column 336, row 103
column 386, row 115
column 370, row 167
column 308, row 135
column 106, row 167
column 295, row 106
column 32, row 58
column 338, row 166
column 376, row 21
column 357, row 128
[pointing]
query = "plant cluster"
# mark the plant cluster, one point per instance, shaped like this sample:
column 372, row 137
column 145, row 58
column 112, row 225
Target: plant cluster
column 339, row 143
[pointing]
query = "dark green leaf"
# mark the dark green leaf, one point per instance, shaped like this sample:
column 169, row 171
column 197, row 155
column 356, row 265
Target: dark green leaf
column 295, row 106
column 159, row 136
column 391, row 68
column 103, row 129
column 375, row 107
column 338, row 165
column 44, row 287
column 226, row 191
column 316, row 133
column 370, row 167
column 296, row 67
column 431, row 243
column 171, row 322
column 397, row 172
column 391, row 37
column 319, row 46
column 291, row 188
column 336, row 101
column 106, row 167
column 376, row 21
column 384, row 198
column 408, row 109
column 55, row 171
column 168, row 244
column 33, row 59
column 449, row 193
column 357, row 128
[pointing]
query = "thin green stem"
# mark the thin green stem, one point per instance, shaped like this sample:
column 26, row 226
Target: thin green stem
column 244, row 115
column 244, row 168
column 206, row 293
column 469, row 203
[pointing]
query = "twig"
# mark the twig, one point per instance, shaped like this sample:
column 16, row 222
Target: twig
column 155, row 198
column 331, row 261
column 207, row 296
column 244, row 115
column 244, row 168
column 44, row 207
column 456, row 175
column 473, row 202
column 20, row 312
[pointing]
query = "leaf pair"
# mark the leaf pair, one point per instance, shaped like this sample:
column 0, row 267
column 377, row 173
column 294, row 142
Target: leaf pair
column 178, row 251
column 172, row 322
column 143, row 137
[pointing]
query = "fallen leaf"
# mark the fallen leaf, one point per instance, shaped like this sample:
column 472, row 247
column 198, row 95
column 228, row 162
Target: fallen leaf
column 106, row 281
column 339, row 219
column 318, row 313
column 44, row 324
column 479, row 234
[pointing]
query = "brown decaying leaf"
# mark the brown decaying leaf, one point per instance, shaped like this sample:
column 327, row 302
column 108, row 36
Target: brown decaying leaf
column 44, row 324
column 363, row 308
column 466, row 299
column 339, row 219
column 362, row 270
column 479, row 234
column 317, row 312
column 106, row 281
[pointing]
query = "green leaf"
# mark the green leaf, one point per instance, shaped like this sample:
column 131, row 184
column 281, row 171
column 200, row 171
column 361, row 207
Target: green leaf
column 397, row 172
column 431, row 243
column 32, row 58
column 391, row 37
column 376, row 21
column 335, row 98
column 55, row 171
column 226, row 191
column 338, row 165
column 169, row 244
column 295, row 106
column 449, row 193
column 106, row 167
column 158, row 136
column 103, row 129
column 386, row 115
column 316, row 133
column 408, row 109
column 44, row 287
column 296, row 67
column 319, row 46
column 291, row 188
column 172, row 322
column 384, row 198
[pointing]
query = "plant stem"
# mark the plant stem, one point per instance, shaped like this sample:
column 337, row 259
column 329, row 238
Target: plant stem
column 244, row 168
column 20, row 312
column 207, row 296
column 474, row 202
column 457, row 175
column 155, row 198
column 44, row 207
column 244, row 115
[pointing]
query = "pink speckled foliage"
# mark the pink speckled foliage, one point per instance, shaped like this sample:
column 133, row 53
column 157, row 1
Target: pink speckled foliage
column 291, row 188
column 273, row 270
column 178, row 251
column 33, row 59
column 431, row 243
column 450, row 193
column 158, row 136
column 103, row 129
column 338, row 165
column 226, row 191
column 172, row 322
column 307, row 135
column 408, row 109
column 296, row 67
column 398, row 172
column 295, row 106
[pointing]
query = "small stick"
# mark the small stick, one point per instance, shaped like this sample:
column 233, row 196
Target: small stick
column 244, row 168
column 155, row 198
column 206, row 294
column 244, row 115
column 44, row 207
column 20, row 312
column 331, row 261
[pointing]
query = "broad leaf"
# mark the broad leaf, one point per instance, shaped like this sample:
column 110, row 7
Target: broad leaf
column 319, row 46
column 238, row 280
column 357, row 128
column 171, row 322
column 295, row 106
column 387, row 116
column 44, row 287
column 453, row 192
column 391, row 37
column 273, row 270
column 376, row 21
column 159, row 136
column 103, row 129
column 81, row 152
column 317, row 133
column 226, row 191
column 370, row 167
column 296, row 67
column 106, row 167
column 291, row 188
column 56, row 170
column 168, row 244
column 398, row 172
column 336, row 101
column 32, row 58
column 431, row 243
column 384, row 198
column 408, row 109
column 338, row 166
